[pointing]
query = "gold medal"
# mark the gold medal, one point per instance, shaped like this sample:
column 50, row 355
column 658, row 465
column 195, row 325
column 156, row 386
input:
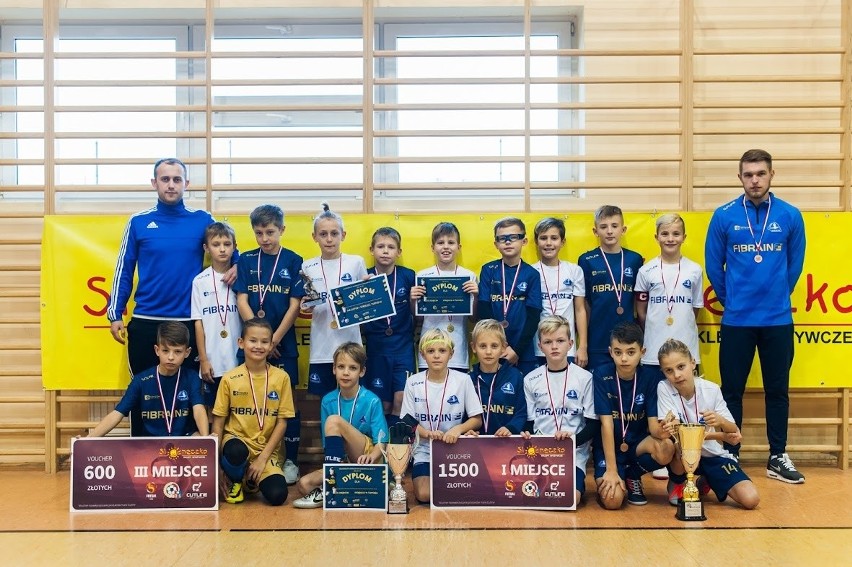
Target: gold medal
column 261, row 313
column 669, row 320
column 450, row 328
column 223, row 334
column 758, row 258
column 388, row 331
column 504, row 323
column 261, row 439
column 333, row 324
column 623, row 447
column 620, row 310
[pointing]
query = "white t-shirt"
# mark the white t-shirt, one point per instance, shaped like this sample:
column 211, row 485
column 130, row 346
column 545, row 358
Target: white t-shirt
column 439, row 406
column 461, row 355
column 341, row 271
column 682, row 293
column 559, row 285
column 708, row 396
column 543, row 391
column 210, row 306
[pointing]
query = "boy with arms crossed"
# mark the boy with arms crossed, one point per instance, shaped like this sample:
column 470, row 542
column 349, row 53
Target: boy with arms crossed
column 269, row 287
column 352, row 422
column 510, row 292
column 251, row 412
column 631, row 442
column 560, row 397
column 610, row 274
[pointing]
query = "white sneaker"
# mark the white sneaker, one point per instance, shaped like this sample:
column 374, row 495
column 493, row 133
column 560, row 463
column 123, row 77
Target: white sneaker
column 291, row 472
column 312, row 500
column 661, row 474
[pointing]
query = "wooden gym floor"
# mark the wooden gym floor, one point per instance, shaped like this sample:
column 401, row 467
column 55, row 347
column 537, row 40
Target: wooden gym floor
column 809, row 524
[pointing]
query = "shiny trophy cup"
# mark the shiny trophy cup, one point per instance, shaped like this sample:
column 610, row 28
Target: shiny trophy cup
column 690, row 438
column 312, row 296
column 403, row 440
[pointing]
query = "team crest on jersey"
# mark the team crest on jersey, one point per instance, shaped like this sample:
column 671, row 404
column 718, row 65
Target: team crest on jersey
column 687, row 284
column 628, row 272
column 453, row 399
column 377, row 383
column 402, row 292
column 572, row 394
column 774, row 227
column 183, row 396
column 347, row 277
column 362, row 421
column 273, row 395
column 314, row 378
column 640, row 399
column 575, row 411
column 285, row 273
column 522, row 286
column 507, row 388
column 568, row 283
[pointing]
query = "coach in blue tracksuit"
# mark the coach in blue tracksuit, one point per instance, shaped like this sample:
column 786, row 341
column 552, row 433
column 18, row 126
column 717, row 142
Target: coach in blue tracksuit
column 754, row 254
column 164, row 244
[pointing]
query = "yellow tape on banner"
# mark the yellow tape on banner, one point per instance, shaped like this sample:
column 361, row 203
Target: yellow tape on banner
column 79, row 253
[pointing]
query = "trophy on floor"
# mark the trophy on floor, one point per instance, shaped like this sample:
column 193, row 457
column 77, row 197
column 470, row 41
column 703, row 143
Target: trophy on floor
column 403, row 440
column 690, row 438
column 312, row 296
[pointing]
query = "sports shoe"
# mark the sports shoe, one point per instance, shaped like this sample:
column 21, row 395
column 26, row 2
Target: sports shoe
column 312, row 500
column 661, row 473
column 235, row 494
column 780, row 467
column 675, row 490
column 635, row 494
column 250, row 487
column 291, row 472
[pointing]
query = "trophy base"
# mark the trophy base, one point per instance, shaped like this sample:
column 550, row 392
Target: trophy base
column 313, row 303
column 690, row 511
column 397, row 506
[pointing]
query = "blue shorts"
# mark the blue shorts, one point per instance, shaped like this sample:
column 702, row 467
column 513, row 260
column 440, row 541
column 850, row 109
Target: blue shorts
column 622, row 460
column 321, row 378
column 386, row 374
column 580, row 480
column 290, row 365
column 598, row 359
column 208, row 391
column 420, row 469
column 721, row 474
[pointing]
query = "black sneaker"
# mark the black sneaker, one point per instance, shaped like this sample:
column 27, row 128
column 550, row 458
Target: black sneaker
column 780, row 467
column 635, row 494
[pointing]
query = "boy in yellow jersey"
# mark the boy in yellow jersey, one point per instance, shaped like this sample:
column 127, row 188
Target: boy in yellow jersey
column 250, row 415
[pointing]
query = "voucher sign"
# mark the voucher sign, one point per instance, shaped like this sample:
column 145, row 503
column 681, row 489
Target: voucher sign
column 144, row 473
column 503, row 472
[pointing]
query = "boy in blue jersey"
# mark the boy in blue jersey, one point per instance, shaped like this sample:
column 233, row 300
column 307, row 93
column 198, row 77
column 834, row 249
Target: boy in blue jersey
column 610, row 272
column 352, row 422
column 500, row 386
column 390, row 341
column 510, row 292
column 632, row 441
column 268, row 286
column 559, row 397
column 754, row 255
column 167, row 397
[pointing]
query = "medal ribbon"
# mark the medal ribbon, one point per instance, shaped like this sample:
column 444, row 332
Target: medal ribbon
column 669, row 305
column 260, row 417
column 507, row 299
column 619, row 288
column 547, row 287
column 757, row 243
column 686, row 415
column 393, row 295
column 261, row 293
column 624, row 423
column 168, row 415
column 443, row 394
column 354, row 404
column 490, row 396
column 558, row 420
column 224, row 319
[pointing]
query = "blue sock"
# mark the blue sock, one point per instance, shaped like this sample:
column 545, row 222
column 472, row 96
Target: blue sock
column 644, row 464
column 334, row 451
column 677, row 478
column 292, row 437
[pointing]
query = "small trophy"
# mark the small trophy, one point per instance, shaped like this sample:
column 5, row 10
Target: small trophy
column 312, row 296
column 690, row 438
column 403, row 440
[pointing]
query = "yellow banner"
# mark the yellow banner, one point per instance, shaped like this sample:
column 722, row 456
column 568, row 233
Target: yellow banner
column 79, row 253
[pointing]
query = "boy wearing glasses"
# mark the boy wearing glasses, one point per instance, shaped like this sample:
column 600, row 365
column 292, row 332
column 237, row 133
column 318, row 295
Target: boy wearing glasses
column 510, row 292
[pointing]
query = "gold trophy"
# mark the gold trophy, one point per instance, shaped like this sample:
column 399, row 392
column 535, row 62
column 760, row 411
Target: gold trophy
column 690, row 438
column 403, row 440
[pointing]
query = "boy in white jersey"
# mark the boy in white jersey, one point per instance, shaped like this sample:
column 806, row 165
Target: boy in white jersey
column 563, row 288
column 352, row 422
column 560, row 397
column 327, row 271
column 438, row 399
column 214, row 310
column 446, row 244
column 683, row 398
